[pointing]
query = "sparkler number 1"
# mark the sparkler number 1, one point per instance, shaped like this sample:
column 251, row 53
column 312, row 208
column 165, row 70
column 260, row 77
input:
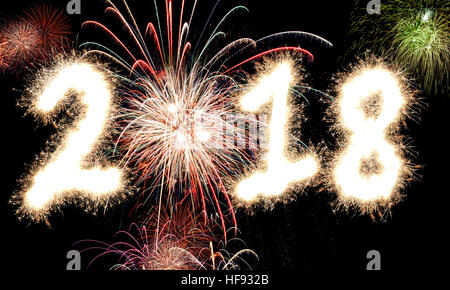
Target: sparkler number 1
column 280, row 172
column 67, row 171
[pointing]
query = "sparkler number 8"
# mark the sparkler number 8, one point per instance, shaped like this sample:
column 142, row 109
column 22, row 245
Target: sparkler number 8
column 369, row 167
column 66, row 172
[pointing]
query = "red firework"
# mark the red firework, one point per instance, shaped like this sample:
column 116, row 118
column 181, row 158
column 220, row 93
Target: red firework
column 19, row 44
column 54, row 27
column 43, row 30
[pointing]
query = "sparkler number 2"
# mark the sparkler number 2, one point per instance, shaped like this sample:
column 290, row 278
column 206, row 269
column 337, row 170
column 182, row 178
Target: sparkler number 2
column 67, row 171
column 280, row 172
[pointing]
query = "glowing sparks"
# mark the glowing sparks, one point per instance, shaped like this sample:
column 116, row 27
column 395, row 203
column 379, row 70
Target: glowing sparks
column 370, row 167
column 280, row 171
column 67, row 171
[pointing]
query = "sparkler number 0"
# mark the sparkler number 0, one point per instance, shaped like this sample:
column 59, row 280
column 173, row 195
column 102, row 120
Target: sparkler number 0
column 67, row 170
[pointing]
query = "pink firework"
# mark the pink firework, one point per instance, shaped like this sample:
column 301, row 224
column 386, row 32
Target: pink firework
column 168, row 241
column 173, row 240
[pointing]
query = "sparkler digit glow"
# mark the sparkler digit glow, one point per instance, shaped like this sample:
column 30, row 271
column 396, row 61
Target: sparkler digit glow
column 280, row 171
column 370, row 167
column 67, row 169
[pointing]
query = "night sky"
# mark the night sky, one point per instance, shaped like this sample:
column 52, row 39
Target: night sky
column 306, row 235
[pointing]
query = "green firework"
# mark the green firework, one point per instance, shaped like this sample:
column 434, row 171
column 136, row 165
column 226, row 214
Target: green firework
column 412, row 33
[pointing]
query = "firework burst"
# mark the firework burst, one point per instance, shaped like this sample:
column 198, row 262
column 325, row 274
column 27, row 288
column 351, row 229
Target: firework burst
column 54, row 27
column 414, row 34
column 19, row 43
column 31, row 38
column 174, row 240
column 178, row 136
column 176, row 102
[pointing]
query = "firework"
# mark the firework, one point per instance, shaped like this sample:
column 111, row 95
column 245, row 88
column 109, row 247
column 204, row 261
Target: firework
column 176, row 101
column 3, row 61
column 19, row 43
column 54, row 27
column 414, row 34
column 31, row 38
column 170, row 241
column 177, row 134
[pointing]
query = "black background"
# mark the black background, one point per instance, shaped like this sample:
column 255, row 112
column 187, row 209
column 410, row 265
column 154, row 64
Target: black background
column 306, row 235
